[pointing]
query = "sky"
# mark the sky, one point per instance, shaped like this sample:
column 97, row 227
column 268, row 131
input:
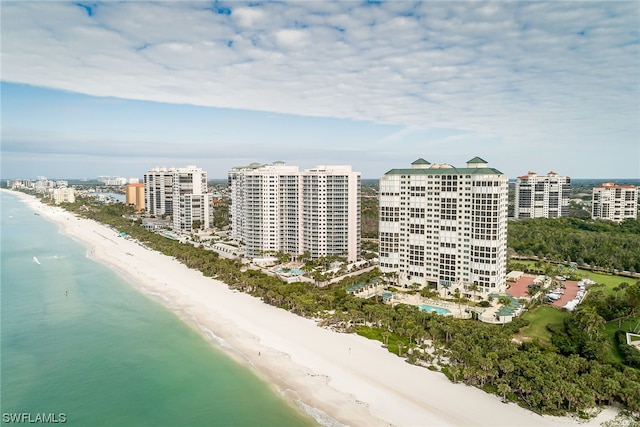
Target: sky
column 116, row 88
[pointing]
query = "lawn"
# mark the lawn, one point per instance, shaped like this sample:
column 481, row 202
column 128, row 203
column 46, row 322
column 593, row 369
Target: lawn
column 610, row 330
column 609, row 280
column 539, row 318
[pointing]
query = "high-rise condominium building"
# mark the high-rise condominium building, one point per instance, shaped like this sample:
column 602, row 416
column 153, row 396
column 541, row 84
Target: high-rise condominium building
column 278, row 208
column 191, row 201
column 63, row 195
column 445, row 227
column 614, row 202
column 134, row 195
column 542, row 196
column 158, row 191
column 181, row 193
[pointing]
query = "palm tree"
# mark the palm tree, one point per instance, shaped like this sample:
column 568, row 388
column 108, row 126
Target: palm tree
column 474, row 288
column 454, row 370
column 504, row 301
column 504, row 388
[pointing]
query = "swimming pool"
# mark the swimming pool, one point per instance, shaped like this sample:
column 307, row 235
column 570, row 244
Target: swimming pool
column 432, row 309
column 293, row 271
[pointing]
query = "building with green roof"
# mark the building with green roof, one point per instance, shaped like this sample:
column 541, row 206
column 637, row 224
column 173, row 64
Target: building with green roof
column 445, row 227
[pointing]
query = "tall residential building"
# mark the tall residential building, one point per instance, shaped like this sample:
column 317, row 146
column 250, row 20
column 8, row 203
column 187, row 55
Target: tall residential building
column 63, row 195
column 134, row 195
column 445, row 227
column 278, row 208
column 180, row 193
column 158, row 191
column 542, row 196
column 191, row 201
column 614, row 202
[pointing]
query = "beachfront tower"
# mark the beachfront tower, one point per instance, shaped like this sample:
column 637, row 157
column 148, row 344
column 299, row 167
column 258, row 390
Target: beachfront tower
column 445, row 227
column 542, row 196
column 158, row 191
column 180, row 193
column 277, row 208
column 614, row 202
column 191, row 200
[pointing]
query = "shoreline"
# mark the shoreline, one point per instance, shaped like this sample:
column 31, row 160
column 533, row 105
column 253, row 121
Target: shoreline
column 344, row 378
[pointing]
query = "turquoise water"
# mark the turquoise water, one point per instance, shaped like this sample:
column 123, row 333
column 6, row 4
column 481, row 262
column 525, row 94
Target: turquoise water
column 432, row 309
column 76, row 339
column 294, row 271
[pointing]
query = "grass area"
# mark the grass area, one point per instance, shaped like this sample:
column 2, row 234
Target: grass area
column 610, row 330
column 538, row 320
column 609, row 280
column 377, row 334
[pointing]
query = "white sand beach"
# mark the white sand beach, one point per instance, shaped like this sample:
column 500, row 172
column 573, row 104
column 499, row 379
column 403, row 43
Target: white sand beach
column 352, row 380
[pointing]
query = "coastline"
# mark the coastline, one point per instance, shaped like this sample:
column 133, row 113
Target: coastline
column 351, row 379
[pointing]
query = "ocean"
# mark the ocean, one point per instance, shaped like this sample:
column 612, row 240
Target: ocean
column 80, row 345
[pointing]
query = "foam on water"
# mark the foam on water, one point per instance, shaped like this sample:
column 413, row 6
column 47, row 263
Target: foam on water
column 105, row 353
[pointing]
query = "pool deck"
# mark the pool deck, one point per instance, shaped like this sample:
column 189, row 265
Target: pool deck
column 457, row 310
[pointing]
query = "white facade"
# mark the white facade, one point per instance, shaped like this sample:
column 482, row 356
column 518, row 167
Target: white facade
column 278, row 208
column 190, row 199
column 542, row 196
column 158, row 191
column 445, row 227
column 331, row 212
column 180, row 193
column 614, row 202
column 63, row 195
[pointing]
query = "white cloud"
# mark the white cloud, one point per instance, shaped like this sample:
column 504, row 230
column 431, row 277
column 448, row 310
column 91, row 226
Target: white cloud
column 530, row 73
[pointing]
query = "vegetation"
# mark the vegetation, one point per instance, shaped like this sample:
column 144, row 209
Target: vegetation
column 564, row 370
column 597, row 243
column 540, row 320
column 369, row 210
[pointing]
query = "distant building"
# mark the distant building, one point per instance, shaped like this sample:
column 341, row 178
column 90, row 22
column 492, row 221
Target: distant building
column 44, row 185
column 542, row 196
column 134, row 195
column 114, row 181
column 19, row 184
column 445, row 227
column 158, row 191
column 180, row 193
column 63, row 195
column 278, row 208
column 614, row 202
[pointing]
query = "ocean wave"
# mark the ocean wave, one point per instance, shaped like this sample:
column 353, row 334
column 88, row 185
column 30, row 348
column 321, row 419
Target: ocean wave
column 183, row 314
column 35, row 259
column 321, row 417
column 210, row 334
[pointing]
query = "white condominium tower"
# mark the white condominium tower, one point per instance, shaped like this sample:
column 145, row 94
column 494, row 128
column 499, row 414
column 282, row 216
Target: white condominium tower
column 191, row 201
column 278, row 208
column 614, row 202
column 181, row 193
column 445, row 227
column 158, row 191
column 264, row 211
column 542, row 196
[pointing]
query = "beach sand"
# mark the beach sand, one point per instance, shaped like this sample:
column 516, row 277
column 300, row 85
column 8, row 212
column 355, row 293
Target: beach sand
column 338, row 378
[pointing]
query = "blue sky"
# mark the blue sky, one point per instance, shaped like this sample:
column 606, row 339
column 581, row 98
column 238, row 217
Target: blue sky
column 116, row 88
